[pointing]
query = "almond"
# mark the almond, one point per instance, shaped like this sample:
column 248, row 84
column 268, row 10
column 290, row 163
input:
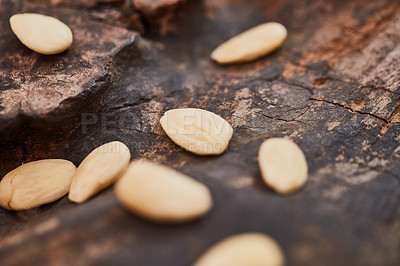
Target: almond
column 43, row 34
column 99, row 170
column 161, row 194
column 197, row 130
column 251, row 44
column 283, row 165
column 36, row 183
column 243, row 249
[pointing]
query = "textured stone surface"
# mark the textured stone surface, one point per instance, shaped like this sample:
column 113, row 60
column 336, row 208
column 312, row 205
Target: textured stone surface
column 332, row 88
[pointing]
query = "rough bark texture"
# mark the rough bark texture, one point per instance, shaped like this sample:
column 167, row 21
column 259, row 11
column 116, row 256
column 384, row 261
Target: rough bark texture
column 333, row 88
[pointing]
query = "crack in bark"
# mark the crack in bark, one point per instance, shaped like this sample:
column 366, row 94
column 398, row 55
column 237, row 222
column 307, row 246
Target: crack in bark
column 303, row 86
column 133, row 104
column 351, row 109
column 282, row 119
column 394, row 118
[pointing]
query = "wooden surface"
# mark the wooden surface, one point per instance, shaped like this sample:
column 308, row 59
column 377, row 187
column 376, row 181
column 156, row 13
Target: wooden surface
column 333, row 88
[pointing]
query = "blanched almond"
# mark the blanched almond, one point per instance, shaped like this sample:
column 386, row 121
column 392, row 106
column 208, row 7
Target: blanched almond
column 161, row 194
column 99, row 170
column 36, row 183
column 283, row 165
column 43, row 34
column 251, row 44
column 197, row 130
column 243, row 250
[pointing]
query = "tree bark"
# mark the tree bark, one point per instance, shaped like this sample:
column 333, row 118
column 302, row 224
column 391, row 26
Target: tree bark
column 333, row 88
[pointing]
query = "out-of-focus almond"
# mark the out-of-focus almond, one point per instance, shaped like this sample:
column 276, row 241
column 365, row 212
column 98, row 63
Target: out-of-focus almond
column 251, row 44
column 99, row 170
column 197, row 130
column 161, row 194
column 43, row 34
column 243, row 249
column 283, row 165
column 36, row 183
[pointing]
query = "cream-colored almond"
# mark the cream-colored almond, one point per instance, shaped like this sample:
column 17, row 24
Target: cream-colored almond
column 283, row 165
column 249, row 249
column 36, row 183
column 99, row 170
column 161, row 194
column 196, row 130
column 251, row 44
column 43, row 34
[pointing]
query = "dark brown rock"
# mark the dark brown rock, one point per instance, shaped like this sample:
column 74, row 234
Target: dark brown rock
column 332, row 88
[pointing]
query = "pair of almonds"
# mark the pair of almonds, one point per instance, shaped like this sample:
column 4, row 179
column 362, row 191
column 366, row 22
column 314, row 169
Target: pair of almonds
column 36, row 183
column 243, row 250
column 197, row 130
column 251, row 44
column 282, row 163
column 161, row 194
column 43, row 34
column 152, row 191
